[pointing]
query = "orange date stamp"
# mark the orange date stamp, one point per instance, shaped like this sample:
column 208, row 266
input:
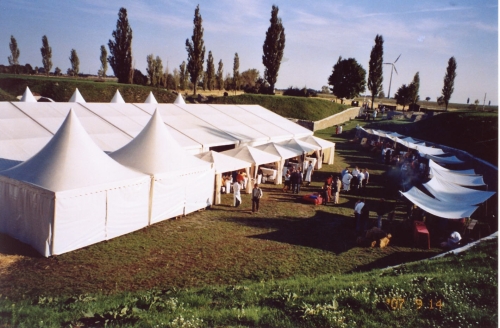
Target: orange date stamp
column 419, row 303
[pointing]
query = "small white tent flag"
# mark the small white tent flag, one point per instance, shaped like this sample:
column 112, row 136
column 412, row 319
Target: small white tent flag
column 71, row 194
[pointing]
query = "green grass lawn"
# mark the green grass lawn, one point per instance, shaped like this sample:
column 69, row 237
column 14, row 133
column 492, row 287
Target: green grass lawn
column 293, row 264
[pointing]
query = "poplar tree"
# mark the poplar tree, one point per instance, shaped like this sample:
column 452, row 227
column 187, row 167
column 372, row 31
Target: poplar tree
column 210, row 72
column 14, row 51
column 75, row 62
column 151, row 69
column 449, row 81
column 46, row 51
column 104, row 61
column 196, row 50
column 120, row 49
column 182, row 76
column 236, row 72
column 220, row 76
column 273, row 48
column 375, row 77
column 414, row 89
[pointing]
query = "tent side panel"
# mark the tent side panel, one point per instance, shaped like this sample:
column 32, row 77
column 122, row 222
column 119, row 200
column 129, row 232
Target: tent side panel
column 80, row 221
column 199, row 190
column 128, row 209
column 26, row 215
column 169, row 197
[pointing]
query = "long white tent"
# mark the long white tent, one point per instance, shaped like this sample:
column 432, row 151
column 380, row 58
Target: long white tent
column 71, row 194
column 468, row 180
column 25, row 127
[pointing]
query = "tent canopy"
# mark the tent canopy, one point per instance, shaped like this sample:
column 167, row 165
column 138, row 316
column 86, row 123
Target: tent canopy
column 299, row 145
column 77, row 97
column 28, row 96
column 150, row 99
column 154, row 151
column 447, row 210
column 450, row 192
column 223, row 163
column 252, row 155
column 117, row 98
column 318, row 141
column 440, row 168
column 179, row 100
column 445, row 159
column 468, row 180
column 278, row 150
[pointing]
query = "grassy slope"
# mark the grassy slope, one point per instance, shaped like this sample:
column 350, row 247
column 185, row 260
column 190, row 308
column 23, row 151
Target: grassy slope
column 61, row 89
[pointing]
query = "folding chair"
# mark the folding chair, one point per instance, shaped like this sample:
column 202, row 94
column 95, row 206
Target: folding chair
column 419, row 229
column 469, row 227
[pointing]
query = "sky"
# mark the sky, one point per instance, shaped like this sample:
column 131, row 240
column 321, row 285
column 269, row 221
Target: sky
column 426, row 33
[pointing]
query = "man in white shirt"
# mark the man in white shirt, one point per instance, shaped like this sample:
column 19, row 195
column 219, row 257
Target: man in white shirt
column 453, row 241
column 357, row 213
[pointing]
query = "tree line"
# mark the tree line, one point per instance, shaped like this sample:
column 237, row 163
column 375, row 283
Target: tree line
column 348, row 78
column 191, row 74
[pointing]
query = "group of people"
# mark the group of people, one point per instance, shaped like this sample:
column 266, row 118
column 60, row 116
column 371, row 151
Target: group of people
column 331, row 189
column 355, row 179
column 294, row 178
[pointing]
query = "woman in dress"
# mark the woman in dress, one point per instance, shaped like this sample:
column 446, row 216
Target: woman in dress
column 309, row 173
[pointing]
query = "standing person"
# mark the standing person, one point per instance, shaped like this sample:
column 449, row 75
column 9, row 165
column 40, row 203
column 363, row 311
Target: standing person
column 309, row 173
column 300, row 179
column 328, row 188
column 293, row 179
column 361, row 177
column 237, row 194
column 336, row 186
column 367, row 177
column 355, row 178
column 357, row 214
column 287, row 182
column 346, row 181
column 344, row 171
column 256, row 196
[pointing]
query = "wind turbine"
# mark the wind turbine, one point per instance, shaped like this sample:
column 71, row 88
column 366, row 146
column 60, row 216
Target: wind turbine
column 393, row 68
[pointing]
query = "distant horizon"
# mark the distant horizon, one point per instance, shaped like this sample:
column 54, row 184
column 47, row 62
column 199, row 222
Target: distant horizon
column 425, row 33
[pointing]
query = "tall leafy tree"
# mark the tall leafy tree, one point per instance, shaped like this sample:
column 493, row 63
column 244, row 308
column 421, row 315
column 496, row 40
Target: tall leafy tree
column 75, row 62
column 152, row 70
column 104, row 61
column 14, row 54
column 159, row 71
column 273, row 48
column 403, row 96
column 375, row 77
column 196, row 50
column 210, row 72
column 220, row 76
column 414, row 89
column 249, row 78
column 236, row 72
column 347, row 78
column 120, row 49
column 46, row 51
column 183, row 76
column 449, row 81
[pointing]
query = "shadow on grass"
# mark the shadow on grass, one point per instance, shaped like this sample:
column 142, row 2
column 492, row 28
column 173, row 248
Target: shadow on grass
column 11, row 246
column 324, row 231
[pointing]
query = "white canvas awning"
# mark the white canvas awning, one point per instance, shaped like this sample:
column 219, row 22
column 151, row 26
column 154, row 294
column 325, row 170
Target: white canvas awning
column 150, row 99
column 252, row 155
column 117, row 98
column 447, row 210
column 450, row 192
column 27, row 96
column 179, row 100
column 440, row 168
column 300, row 145
column 467, row 180
column 222, row 162
column 445, row 159
column 424, row 150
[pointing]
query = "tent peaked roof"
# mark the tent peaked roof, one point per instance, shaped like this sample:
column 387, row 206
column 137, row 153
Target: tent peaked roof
column 179, row 100
column 318, row 141
column 299, row 145
column 117, row 98
column 252, row 155
column 28, row 96
column 150, row 99
column 70, row 160
column 223, row 163
column 279, row 150
column 77, row 97
column 154, row 151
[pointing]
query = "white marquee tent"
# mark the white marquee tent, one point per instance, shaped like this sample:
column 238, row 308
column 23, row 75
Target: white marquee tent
column 71, row 194
column 27, row 96
column 77, row 97
column 283, row 152
column 180, row 182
